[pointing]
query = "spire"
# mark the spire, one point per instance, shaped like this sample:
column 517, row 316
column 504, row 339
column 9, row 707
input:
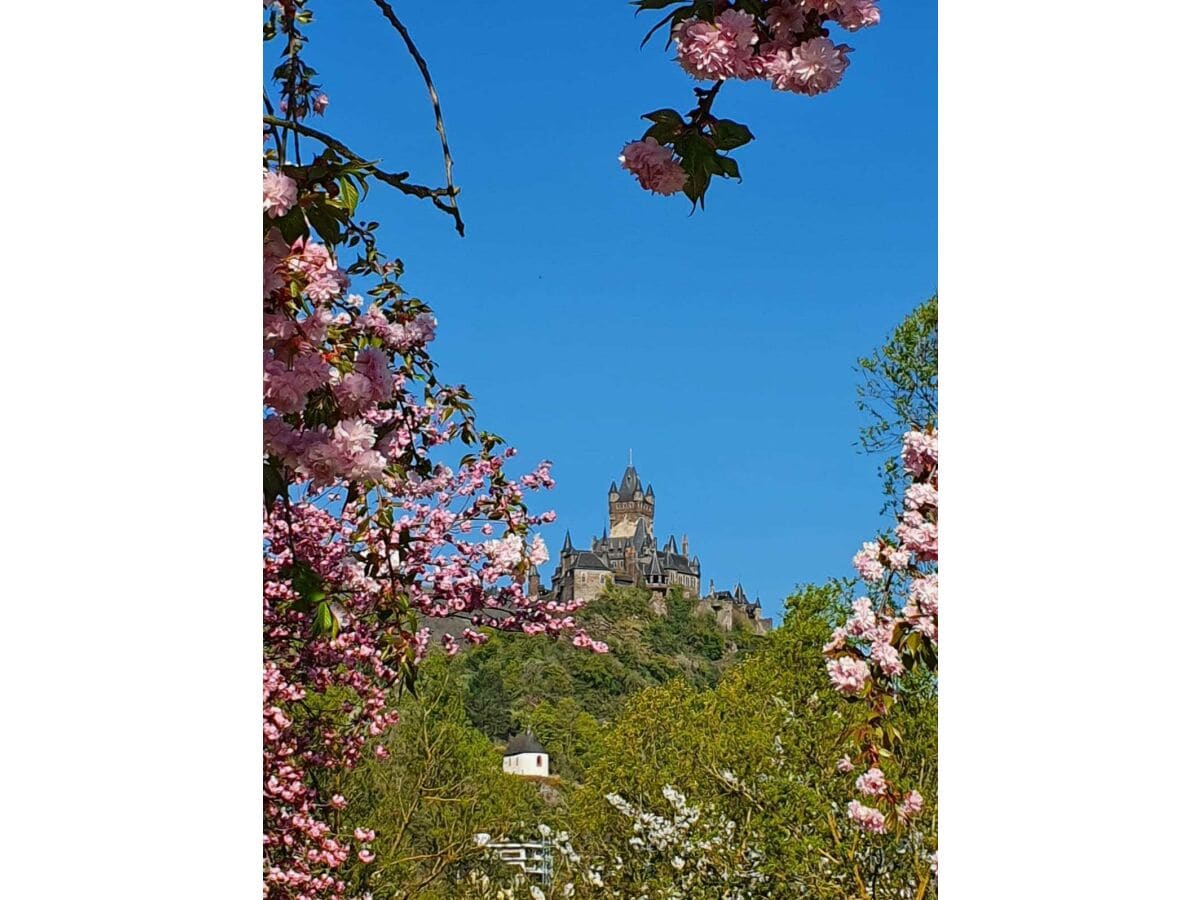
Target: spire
column 567, row 548
column 739, row 594
column 671, row 548
column 631, row 457
column 639, row 534
column 630, row 483
column 649, row 490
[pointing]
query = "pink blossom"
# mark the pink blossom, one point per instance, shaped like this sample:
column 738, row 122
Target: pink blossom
column 711, row 51
column 837, row 640
column 786, row 16
column 366, row 856
column 654, row 166
column 920, row 452
column 863, row 621
column 364, row 835
column 816, row 66
column 872, row 783
column 895, row 557
column 845, row 766
column 320, row 104
column 506, row 552
column 337, row 801
column 887, row 658
column 866, row 817
column 919, row 536
column 921, row 496
column 855, row 14
column 538, row 554
column 927, row 627
column 847, row 674
column 923, row 594
column 866, row 561
column 405, row 336
column 275, row 251
column 582, row 641
column 911, row 805
column 279, row 193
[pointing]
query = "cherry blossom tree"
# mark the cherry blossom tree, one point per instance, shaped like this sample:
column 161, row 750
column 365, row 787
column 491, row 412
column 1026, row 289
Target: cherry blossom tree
column 786, row 43
column 371, row 527
column 892, row 633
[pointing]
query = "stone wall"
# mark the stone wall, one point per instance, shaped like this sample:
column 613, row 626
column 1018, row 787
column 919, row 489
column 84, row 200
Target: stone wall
column 586, row 584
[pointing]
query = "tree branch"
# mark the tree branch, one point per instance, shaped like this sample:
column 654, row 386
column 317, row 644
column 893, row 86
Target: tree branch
column 390, row 15
column 397, row 180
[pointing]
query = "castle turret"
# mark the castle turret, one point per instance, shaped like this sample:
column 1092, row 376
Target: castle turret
column 628, row 503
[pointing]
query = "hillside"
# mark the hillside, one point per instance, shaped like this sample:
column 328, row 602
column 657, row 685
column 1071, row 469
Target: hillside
column 515, row 681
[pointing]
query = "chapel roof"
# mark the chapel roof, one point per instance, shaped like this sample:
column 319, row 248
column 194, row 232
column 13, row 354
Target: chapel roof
column 523, row 743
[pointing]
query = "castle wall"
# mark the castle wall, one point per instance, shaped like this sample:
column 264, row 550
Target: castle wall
column 587, row 584
column 689, row 583
column 624, row 514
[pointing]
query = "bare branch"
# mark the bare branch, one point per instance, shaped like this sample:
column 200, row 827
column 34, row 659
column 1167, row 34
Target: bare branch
column 390, row 15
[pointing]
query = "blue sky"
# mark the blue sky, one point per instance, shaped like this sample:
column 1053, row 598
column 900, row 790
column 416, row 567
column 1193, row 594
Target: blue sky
column 589, row 317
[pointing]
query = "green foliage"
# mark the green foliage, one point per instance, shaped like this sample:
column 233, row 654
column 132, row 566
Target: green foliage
column 441, row 785
column 898, row 390
column 759, row 748
column 513, row 676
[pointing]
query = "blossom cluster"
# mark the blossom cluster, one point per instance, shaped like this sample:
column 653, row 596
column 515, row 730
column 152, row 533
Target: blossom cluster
column 366, row 532
column 885, row 637
column 696, row 848
column 785, row 43
column 788, row 46
column 654, row 166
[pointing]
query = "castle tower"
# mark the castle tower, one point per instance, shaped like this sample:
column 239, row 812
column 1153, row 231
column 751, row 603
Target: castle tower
column 629, row 503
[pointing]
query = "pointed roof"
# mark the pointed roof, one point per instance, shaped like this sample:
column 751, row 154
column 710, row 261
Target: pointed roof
column 739, row 594
column 523, row 743
column 630, row 483
column 612, row 488
column 589, row 560
column 655, row 568
column 567, row 548
column 671, row 548
column 649, row 490
column 640, row 535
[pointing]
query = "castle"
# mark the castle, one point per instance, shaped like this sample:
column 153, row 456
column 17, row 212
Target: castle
column 628, row 554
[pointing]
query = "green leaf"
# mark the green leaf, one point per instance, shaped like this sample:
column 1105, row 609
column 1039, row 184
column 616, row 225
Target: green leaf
column 325, row 622
column 324, row 222
column 729, row 167
column 273, row 484
column 664, row 134
column 308, row 585
column 292, row 226
column 665, row 117
column 728, row 134
column 347, row 194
